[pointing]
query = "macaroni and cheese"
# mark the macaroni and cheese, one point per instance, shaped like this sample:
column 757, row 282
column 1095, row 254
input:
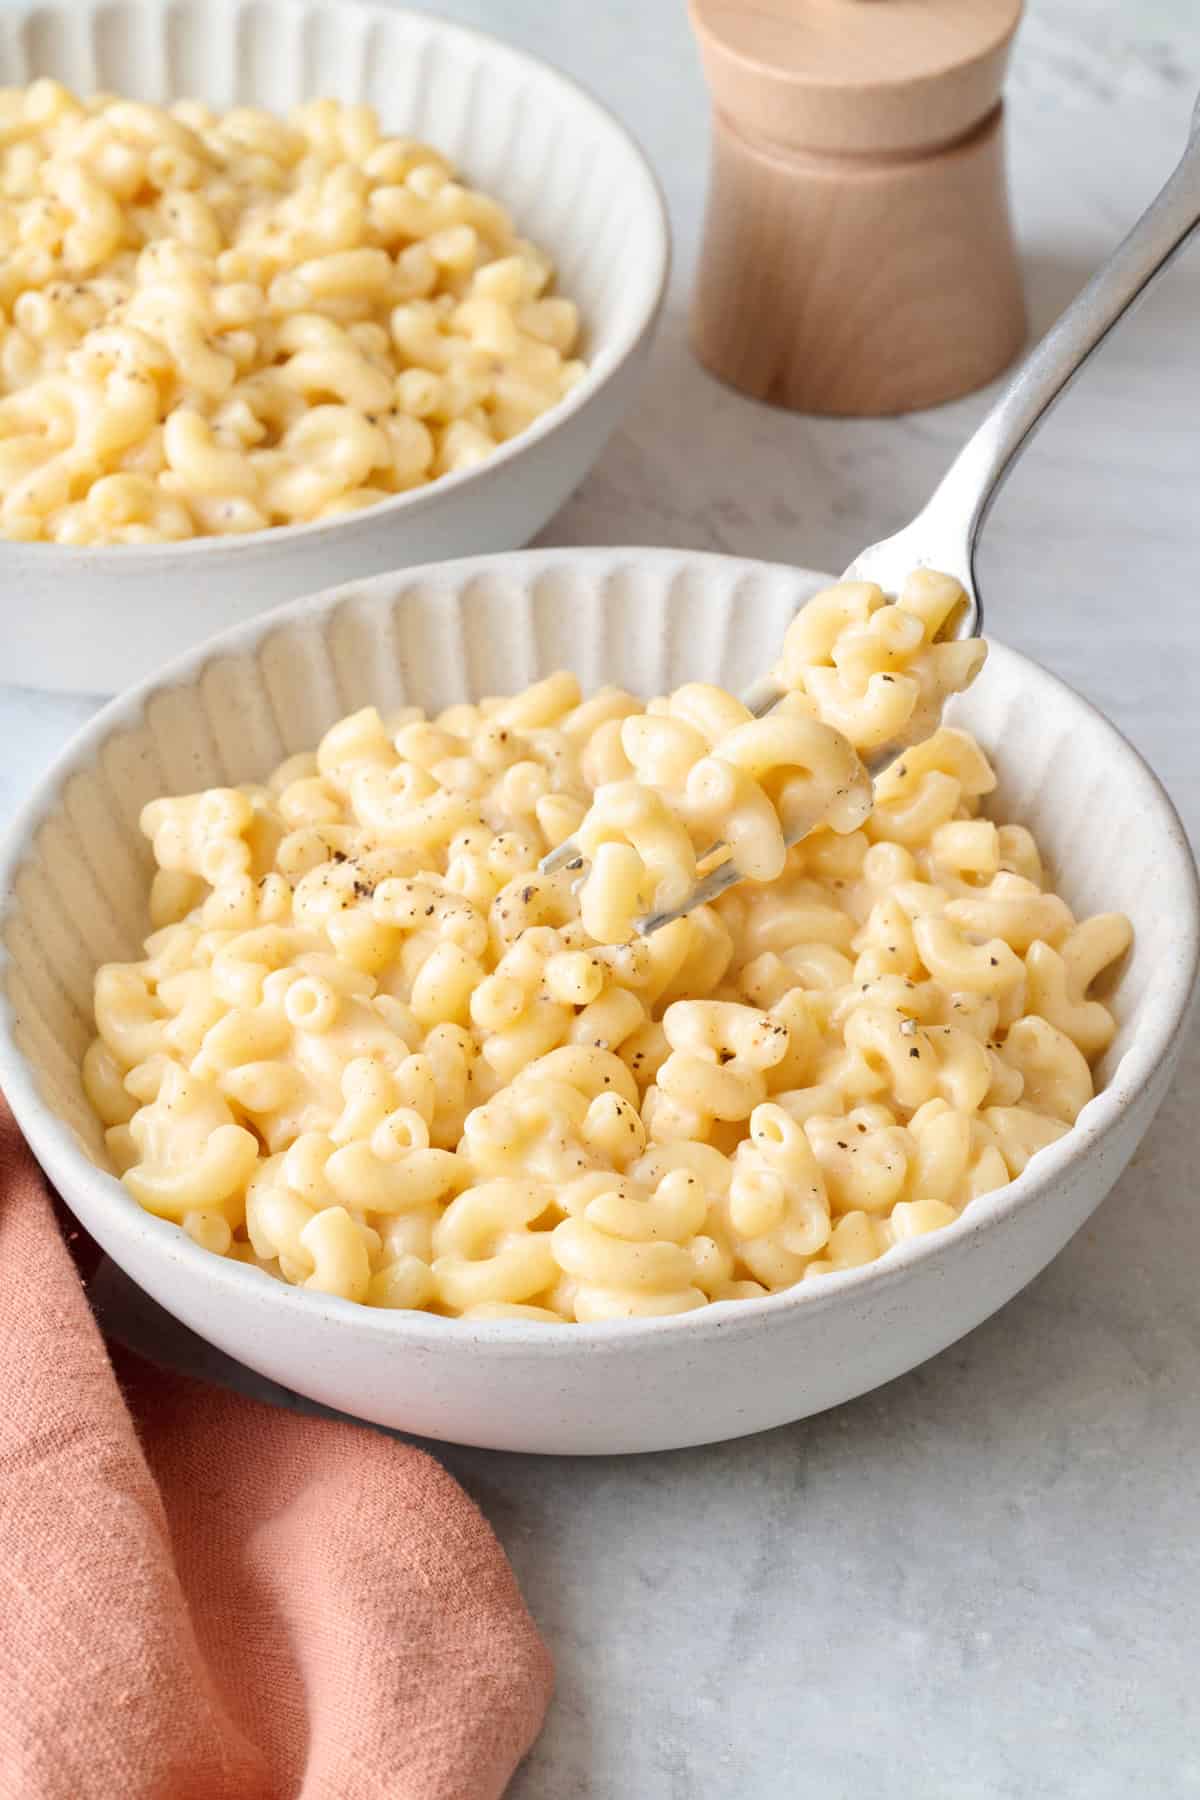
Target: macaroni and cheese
column 215, row 323
column 372, row 1050
column 696, row 780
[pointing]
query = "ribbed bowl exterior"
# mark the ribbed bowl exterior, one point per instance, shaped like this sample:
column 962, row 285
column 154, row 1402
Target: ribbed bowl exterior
column 73, row 895
column 93, row 620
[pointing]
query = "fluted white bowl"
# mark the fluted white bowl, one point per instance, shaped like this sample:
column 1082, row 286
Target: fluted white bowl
column 95, row 619
column 73, row 882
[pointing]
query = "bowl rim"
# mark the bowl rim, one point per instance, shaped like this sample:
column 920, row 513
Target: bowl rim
column 655, row 276
column 55, row 1146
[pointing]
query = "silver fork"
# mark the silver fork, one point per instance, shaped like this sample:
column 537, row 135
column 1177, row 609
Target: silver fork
column 945, row 533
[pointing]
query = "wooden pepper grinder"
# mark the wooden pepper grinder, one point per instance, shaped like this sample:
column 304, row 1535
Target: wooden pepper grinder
column 858, row 254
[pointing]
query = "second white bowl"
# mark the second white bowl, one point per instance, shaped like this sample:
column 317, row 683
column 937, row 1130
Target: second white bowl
column 72, row 894
column 93, row 620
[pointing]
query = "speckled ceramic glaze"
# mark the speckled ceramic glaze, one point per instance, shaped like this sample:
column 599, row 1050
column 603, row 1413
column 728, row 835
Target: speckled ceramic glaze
column 72, row 894
column 94, row 619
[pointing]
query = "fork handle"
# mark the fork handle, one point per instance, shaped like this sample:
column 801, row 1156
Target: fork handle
column 966, row 493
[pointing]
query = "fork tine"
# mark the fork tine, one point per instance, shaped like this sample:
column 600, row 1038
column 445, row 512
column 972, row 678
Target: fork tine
column 727, row 876
column 766, row 694
column 567, row 856
column 759, row 700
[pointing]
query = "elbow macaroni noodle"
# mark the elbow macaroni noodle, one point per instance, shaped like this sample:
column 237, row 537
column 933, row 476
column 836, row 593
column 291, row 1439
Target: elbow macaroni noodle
column 215, row 323
column 698, row 767
column 373, row 1051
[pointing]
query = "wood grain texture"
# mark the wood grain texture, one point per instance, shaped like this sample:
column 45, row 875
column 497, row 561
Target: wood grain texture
column 876, row 75
column 859, row 288
column 858, row 255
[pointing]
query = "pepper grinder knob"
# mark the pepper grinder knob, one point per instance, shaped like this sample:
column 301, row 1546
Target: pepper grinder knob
column 858, row 254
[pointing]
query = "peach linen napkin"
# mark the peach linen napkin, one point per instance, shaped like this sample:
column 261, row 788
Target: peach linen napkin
column 203, row 1598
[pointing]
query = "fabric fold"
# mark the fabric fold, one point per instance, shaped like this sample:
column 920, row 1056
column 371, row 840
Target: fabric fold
column 203, row 1598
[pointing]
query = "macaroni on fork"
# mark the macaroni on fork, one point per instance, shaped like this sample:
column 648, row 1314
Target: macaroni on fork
column 371, row 1050
column 215, row 323
column 696, row 772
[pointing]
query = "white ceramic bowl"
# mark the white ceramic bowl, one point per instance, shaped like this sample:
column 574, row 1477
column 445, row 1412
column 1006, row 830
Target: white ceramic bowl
column 92, row 620
column 72, row 890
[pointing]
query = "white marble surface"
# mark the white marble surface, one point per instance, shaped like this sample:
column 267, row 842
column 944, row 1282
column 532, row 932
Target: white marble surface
column 981, row 1583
